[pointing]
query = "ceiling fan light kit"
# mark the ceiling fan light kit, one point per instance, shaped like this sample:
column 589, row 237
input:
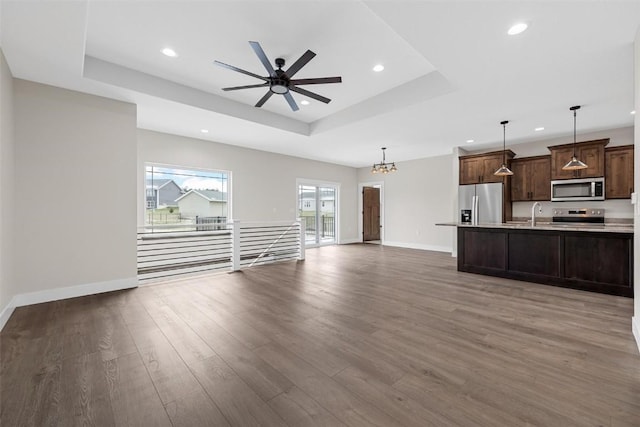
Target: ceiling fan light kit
column 279, row 81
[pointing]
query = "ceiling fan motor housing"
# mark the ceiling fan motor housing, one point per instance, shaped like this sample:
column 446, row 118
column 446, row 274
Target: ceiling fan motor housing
column 280, row 83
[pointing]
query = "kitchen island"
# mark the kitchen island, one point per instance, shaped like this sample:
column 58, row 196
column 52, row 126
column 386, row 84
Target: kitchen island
column 593, row 258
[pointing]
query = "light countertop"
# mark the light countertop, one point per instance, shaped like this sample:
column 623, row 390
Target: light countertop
column 606, row 228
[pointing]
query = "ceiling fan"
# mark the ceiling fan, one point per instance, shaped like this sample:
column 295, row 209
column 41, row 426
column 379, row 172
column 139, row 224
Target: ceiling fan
column 280, row 81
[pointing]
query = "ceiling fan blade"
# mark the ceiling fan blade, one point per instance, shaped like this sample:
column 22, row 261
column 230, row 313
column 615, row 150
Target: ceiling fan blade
column 264, row 98
column 263, row 58
column 240, row 70
column 301, row 62
column 317, row 81
column 245, row 87
column 310, row 94
column 291, row 101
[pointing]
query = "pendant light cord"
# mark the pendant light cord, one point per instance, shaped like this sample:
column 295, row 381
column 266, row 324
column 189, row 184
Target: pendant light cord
column 504, row 143
column 574, row 133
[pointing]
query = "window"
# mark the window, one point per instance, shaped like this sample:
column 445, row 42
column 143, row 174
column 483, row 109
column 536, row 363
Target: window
column 180, row 199
column 319, row 224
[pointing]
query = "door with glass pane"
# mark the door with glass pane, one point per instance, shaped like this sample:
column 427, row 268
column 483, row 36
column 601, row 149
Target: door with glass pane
column 317, row 207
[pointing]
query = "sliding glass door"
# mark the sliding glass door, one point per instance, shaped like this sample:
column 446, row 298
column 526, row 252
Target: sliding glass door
column 317, row 207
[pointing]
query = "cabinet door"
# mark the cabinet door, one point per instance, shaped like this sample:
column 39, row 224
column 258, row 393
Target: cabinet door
column 540, row 179
column 619, row 173
column 559, row 158
column 520, row 181
column 490, row 164
column 593, row 156
column 470, row 170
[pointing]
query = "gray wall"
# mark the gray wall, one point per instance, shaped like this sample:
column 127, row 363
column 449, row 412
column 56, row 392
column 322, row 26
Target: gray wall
column 263, row 185
column 7, row 284
column 416, row 197
column 84, row 233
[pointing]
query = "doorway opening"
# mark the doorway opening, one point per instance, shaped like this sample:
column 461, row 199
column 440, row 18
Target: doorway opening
column 317, row 207
column 371, row 218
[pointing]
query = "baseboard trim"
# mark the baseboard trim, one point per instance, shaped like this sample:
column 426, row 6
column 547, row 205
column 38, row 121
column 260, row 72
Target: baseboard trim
column 635, row 327
column 418, row 246
column 64, row 293
column 6, row 313
column 350, row 241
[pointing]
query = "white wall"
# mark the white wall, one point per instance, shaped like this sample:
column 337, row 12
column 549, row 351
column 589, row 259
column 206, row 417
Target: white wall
column 263, row 185
column 75, row 194
column 636, row 240
column 417, row 197
column 613, row 208
column 7, row 284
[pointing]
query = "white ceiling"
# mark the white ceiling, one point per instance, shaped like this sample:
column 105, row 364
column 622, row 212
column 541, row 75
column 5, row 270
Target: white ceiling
column 451, row 71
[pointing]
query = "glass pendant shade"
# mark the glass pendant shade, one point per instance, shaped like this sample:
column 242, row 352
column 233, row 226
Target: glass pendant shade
column 503, row 170
column 574, row 165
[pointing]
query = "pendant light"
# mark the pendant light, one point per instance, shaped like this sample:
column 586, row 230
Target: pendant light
column 504, row 170
column 574, row 163
column 384, row 167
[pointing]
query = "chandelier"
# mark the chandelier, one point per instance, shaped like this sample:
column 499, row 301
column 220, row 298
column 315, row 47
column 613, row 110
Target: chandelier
column 384, row 167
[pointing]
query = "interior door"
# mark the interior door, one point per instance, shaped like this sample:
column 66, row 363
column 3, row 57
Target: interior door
column 370, row 214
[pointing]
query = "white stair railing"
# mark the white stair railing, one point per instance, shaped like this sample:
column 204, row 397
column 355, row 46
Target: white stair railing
column 230, row 247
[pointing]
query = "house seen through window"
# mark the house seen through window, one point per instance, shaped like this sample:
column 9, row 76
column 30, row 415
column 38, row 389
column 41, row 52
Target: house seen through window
column 184, row 199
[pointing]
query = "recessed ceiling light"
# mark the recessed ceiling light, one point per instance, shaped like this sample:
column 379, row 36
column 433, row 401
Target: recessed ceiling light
column 539, row 129
column 517, row 28
column 378, row 68
column 633, row 112
column 169, row 52
column 304, row 102
column 469, row 141
column 204, row 130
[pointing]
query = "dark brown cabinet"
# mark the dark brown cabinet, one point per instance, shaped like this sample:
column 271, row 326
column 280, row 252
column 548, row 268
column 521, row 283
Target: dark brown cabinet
column 619, row 172
column 531, row 178
column 591, row 261
column 589, row 152
column 479, row 168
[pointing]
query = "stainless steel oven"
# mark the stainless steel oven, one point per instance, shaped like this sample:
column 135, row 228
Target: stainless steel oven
column 584, row 189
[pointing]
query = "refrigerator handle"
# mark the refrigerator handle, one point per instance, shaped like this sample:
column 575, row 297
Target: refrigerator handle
column 474, row 212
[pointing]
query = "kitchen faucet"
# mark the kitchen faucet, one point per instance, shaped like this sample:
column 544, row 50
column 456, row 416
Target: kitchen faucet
column 533, row 212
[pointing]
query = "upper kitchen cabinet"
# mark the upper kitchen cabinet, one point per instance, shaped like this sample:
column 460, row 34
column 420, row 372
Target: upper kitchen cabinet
column 479, row 168
column 590, row 152
column 619, row 172
column 531, row 178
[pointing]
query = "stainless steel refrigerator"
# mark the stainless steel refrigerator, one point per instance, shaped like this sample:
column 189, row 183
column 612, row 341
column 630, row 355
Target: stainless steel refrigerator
column 480, row 203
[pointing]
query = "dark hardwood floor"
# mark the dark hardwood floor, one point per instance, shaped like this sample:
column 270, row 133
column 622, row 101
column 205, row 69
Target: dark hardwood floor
column 355, row 335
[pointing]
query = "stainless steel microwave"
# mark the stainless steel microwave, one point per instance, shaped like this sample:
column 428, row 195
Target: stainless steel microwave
column 569, row 190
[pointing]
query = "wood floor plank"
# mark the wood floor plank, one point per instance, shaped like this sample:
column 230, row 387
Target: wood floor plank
column 134, row 399
column 86, row 393
column 255, row 372
column 346, row 406
column 299, row 410
column 195, row 410
column 170, row 375
column 354, row 335
column 240, row 405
